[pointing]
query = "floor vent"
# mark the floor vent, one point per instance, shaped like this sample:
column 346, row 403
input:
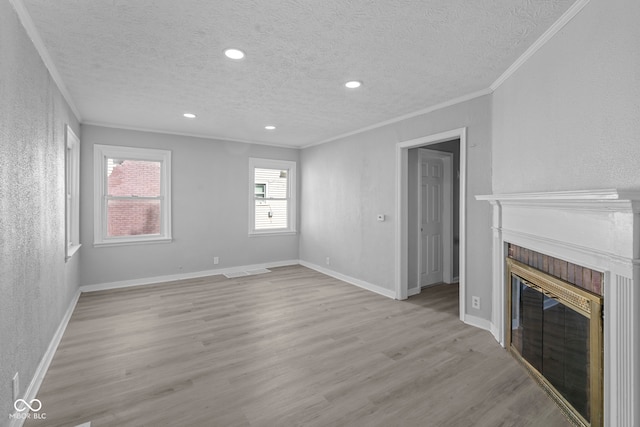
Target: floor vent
column 236, row 274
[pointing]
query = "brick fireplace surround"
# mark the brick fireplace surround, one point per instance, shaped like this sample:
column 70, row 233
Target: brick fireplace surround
column 600, row 230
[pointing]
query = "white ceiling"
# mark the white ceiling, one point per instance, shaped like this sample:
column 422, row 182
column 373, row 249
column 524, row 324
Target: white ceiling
column 142, row 64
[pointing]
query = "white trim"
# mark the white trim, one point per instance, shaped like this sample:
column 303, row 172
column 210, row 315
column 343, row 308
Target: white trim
column 34, row 386
column 440, row 106
column 182, row 276
column 272, row 233
column 478, row 322
column 72, row 192
column 100, row 153
column 402, row 208
column 550, row 198
column 34, row 35
column 589, row 257
column 542, row 40
column 191, row 135
column 351, row 280
column 71, row 251
column 414, row 291
column 139, row 240
column 292, row 197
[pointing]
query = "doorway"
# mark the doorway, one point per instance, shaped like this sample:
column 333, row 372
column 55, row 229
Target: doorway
column 433, row 214
column 405, row 275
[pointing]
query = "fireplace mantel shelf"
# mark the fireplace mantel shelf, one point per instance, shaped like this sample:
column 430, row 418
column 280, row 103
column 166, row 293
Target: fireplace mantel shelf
column 598, row 229
column 605, row 200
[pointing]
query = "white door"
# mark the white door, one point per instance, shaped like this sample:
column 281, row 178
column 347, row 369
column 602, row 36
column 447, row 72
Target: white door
column 431, row 225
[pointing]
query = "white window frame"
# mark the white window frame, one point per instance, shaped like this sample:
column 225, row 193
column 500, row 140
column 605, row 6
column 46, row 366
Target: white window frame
column 100, row 155
column 291, row 196
column 72, row 192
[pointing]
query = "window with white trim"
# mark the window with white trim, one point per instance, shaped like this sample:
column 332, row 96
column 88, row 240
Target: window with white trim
column 72, row 192
column 272, row 204
column 132, row 188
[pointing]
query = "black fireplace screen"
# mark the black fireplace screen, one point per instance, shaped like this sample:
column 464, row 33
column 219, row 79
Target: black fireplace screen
column 556, row 330
column 553, row 339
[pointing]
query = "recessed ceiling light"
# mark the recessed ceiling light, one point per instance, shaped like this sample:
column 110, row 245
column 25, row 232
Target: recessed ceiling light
column 189, row 115
column 234, row 53
column 270, row 127
column 353, row 84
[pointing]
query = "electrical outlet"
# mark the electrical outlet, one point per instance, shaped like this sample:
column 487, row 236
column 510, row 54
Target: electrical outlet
column 216, row 260
column 328, row 261
column 475, row 302
column 16, row 386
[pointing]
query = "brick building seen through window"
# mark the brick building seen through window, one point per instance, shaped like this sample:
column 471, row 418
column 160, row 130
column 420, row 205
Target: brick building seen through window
column 133, row 186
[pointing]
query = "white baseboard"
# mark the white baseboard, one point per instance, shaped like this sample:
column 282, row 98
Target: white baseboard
column 478, row 322
column 183, row 276
column 34, row 386
column 357, row 282
column 413, row 291
column 496, row 334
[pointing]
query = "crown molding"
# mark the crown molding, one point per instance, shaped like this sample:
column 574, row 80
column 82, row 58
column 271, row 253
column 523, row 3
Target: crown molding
column 427, row 110
column 566, row 17
column 542, row 40
column 191, row 135
column 34, row 35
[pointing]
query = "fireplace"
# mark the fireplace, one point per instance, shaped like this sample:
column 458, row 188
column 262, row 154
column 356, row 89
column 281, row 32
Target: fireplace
column 593, row 236
column 555, row 330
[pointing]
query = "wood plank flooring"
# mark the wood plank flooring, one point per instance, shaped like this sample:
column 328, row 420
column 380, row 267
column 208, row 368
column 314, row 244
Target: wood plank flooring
column 288, row 348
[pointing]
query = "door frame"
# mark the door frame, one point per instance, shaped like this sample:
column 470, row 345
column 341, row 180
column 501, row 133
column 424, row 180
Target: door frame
column 402, row 209
column 447, row 213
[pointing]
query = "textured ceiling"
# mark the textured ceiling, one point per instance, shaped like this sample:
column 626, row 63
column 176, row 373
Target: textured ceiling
column 141, row 64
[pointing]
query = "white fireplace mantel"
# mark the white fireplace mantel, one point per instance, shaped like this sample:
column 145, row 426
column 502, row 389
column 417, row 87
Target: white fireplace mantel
column 598, row 229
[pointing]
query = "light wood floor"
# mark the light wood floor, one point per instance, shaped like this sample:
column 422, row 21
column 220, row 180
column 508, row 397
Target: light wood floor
column 291, row 347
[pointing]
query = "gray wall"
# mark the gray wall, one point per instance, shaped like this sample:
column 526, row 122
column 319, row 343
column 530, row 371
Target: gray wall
column 347, row 182
column 210, row 180
column 36, row 285
column 569, row 118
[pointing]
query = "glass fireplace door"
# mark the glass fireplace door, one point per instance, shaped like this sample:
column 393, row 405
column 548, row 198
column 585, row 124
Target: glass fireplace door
column 554, row 338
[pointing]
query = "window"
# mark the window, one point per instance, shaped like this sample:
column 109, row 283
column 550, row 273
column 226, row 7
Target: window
column 72, row 192
column 272, row 205
column 261, row 190
column 132, row 195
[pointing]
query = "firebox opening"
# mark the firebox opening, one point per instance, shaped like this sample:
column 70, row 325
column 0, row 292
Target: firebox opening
column 555, row 329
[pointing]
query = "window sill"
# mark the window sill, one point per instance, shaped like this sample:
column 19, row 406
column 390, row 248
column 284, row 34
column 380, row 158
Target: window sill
column 272, row 233
column 71, row 250
column 133, row 242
